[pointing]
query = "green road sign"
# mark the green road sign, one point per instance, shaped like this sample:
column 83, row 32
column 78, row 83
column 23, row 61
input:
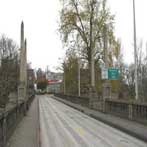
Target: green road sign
column 113, row 74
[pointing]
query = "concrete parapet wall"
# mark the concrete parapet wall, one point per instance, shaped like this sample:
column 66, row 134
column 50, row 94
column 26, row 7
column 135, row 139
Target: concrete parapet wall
column 130, row 110
column 10, row 118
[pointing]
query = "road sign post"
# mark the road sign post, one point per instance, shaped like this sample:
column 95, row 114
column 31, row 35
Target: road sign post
column 108, row 74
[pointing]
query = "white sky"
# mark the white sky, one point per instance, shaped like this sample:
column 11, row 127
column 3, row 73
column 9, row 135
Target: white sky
column 40, row 20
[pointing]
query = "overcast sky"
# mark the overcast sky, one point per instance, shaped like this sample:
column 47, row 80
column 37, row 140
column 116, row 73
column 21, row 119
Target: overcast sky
column 40, row 20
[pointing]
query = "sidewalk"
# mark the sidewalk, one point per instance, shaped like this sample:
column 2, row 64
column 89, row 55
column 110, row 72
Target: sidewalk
column 130, row 127
column 27, row 131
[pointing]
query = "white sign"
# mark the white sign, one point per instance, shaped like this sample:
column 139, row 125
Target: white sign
column 104, row 73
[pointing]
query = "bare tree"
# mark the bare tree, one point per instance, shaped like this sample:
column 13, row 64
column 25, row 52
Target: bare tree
column 8, row 68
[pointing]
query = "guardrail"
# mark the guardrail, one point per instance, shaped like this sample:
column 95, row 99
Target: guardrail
column 10, row 118
column 130, row 110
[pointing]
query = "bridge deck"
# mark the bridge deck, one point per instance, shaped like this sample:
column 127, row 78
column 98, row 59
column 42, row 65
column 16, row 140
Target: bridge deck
column 63, row 126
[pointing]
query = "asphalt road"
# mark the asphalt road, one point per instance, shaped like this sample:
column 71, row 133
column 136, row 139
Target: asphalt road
column 63, row 126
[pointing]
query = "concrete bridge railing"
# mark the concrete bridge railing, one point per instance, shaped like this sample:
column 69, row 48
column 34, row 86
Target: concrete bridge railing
column 84, row 101
column 130, row 110
column 10, row 118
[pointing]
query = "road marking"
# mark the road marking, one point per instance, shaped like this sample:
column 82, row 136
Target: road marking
column 80, row 131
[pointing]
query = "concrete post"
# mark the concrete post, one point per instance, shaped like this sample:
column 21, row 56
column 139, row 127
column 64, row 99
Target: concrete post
column 26, row 79
column 64, row 82
column 106, row 94
column 79, row 79
column 106, row 85
column 22, row 88
column 22, row 56
column 130, row 111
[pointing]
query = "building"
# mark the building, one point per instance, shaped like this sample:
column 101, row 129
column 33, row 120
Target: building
column 31, row 80
column 54, row 82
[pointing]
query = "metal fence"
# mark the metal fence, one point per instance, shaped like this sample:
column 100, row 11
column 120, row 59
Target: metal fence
column 10, row 118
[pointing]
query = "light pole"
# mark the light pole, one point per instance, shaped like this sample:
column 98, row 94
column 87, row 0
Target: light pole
column 64, row 82
column 79, row 79
column 106, row 45
column 135, row 52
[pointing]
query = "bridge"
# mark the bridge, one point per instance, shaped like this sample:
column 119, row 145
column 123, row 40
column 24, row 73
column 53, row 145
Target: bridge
column 69, row 121
column 52, row 122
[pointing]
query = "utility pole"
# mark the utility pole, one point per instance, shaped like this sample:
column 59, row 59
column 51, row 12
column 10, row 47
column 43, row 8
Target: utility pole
column 64, row 82
column 79, row 79
column 92, row 49
column 92, row 71
column 135, row 52
column 106, row 46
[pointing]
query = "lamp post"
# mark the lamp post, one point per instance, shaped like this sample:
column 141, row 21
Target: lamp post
column 79, row 79
column 106, row 45
column 64, row 78
column 135, row 52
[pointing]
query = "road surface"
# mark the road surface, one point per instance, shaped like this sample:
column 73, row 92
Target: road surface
column 63, row 126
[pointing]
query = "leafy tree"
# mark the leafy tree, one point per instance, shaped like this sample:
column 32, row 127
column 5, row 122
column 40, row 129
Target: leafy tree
column 41, row 80
column 42, row 84
column 70, row 67
column 82, row 28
